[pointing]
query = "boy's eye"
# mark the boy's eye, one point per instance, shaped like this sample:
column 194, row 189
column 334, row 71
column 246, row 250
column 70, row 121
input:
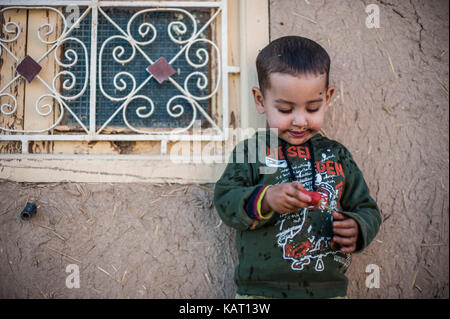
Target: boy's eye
column 283, row 109
column 313, row 108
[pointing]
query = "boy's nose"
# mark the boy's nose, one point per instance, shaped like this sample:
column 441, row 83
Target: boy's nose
column 299, row 120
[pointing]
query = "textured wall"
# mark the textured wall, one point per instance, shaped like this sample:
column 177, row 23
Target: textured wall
column 128, row 241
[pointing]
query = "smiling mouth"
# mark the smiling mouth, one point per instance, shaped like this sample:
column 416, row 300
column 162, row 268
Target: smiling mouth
column 297, row 134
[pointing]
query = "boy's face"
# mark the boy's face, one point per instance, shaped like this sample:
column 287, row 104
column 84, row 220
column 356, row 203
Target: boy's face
column 295, row 105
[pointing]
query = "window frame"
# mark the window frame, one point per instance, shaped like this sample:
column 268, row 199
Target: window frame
column 252, row 15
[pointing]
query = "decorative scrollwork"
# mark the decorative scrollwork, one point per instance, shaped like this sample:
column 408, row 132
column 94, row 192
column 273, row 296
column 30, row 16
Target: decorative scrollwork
column 42, row 110
column 178, row 107
column 118, row 81
column 50, row 28
column 180, row 28
column 180, row 32
column 174, row 110
column 139, row 111
column 5, row 106
column 180, row 110
column 48, row 105
column 50, row 110
column 42, row 107
column 185, row 32
column 177, row 27
column 72, row 56
column 7, row 30
column 143, row 31
column 202, row 81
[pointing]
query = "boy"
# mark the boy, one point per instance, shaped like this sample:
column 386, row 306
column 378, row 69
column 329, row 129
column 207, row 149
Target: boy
column 288, row 248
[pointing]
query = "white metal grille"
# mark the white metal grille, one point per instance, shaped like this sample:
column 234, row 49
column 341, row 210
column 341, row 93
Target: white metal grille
column 94, row 67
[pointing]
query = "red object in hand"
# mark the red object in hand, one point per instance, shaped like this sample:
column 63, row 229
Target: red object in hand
column 315, row 196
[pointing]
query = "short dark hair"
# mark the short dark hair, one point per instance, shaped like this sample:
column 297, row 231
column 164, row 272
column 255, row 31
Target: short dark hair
column 293, row 55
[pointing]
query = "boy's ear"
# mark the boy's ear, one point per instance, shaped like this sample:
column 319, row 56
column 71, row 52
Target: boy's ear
column 330, row 93
column 259, row 100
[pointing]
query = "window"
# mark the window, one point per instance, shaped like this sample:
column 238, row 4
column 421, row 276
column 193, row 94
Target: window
column 47, row 136
column 148, row 69
column 149, row 26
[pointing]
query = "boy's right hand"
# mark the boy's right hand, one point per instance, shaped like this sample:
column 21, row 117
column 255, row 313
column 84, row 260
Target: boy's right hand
column 285, row 198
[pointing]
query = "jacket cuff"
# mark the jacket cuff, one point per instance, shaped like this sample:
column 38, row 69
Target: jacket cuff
column 362, row 241
column 253, row 206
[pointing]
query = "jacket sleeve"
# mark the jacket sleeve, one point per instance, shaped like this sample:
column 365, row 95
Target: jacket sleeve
column 234, row 189
column 357, row 203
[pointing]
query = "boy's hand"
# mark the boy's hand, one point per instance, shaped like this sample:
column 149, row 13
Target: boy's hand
column 345, row 233
column 285, row 198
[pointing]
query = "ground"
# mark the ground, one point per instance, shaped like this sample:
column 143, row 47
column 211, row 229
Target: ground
column 166, row 241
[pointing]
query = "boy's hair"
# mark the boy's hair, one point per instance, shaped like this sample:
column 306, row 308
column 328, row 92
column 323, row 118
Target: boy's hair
column 293, row 55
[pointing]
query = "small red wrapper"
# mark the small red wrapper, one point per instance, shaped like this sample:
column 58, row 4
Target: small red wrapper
column 315, row 196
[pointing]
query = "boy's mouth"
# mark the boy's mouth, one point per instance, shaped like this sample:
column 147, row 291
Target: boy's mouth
column 297, row 134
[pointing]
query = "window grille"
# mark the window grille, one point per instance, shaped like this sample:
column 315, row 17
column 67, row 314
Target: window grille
column 103, row 89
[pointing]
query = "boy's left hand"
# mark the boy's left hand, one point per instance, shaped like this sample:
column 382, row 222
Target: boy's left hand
column 345, row 232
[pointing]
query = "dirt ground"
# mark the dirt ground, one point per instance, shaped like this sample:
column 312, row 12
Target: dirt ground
column 166, row 241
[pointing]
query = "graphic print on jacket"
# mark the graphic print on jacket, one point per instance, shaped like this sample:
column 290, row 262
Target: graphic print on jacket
column 305, row 236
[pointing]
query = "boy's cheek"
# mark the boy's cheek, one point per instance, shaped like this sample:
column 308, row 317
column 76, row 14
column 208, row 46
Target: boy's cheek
column 278, row 123
column 316, row 125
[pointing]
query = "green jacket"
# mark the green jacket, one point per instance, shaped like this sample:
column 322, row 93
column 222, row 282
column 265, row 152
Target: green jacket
column 288, row 255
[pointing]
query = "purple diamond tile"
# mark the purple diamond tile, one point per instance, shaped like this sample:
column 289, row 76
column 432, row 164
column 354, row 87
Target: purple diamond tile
column 28, row 68
column 161, row 70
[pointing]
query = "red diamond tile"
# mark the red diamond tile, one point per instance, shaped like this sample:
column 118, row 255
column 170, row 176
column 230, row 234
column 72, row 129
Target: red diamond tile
column 161, row 70
column 28, row 68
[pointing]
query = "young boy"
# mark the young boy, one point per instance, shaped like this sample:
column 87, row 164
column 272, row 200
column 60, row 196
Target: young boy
column 287, row 247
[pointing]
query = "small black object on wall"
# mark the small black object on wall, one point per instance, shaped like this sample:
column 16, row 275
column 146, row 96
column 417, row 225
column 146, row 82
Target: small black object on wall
column 28, row 211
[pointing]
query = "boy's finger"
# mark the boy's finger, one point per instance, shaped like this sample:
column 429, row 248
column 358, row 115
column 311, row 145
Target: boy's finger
column 302, row 196
column 288, row 210
column 345, row 232
column 344, row 241
column 285, row 207
column 349, row 249
column 291, row 190
column 296, row 202
column 345, row 249
column 347, row 223
column 296, row 193
column 338, row 216
column 294, row 187
column 299, row 194
column 298, row 185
